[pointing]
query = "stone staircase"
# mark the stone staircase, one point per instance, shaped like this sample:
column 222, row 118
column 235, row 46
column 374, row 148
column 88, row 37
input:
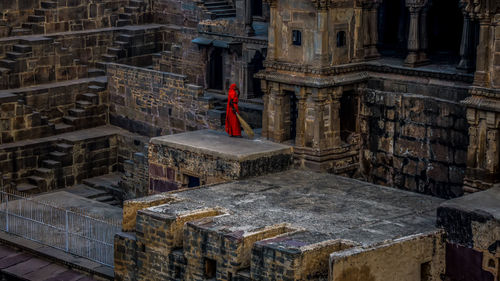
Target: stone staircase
column 15, row 61
column 131, row 14
column 20, row 59
column 97, row 194
column 218, row 8
column 36, row 22
column 108, row 184
column 129, row 43
column 53, row 172
column 90, row 108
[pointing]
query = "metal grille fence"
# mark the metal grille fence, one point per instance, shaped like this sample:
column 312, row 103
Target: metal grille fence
column 69, row 230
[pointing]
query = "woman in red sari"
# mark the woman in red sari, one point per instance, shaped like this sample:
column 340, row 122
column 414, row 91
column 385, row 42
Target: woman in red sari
column 233, row 127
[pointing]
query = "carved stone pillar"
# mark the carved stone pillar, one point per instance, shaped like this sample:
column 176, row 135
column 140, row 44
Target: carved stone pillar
column 248, row 18
column 370, row 29
column 300, row 140
column 265, row 114
column 415, row 40
column 466, row 45
column 424, row 41
column 373, row 24
column 271, row 38
column 336, row 96
column 481, row 77
column 321, row 37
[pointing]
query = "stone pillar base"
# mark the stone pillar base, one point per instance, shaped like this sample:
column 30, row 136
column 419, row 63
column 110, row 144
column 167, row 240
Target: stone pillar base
column 340, row 161
column 416, row 60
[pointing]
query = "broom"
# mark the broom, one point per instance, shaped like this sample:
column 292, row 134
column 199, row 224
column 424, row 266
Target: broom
column 244, row 124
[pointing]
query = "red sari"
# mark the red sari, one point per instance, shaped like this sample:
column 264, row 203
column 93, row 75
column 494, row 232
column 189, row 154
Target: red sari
column 233, row 127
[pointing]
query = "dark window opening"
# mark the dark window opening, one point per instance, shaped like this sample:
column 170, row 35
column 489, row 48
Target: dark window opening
column 193, row 181
column 425, row 271
column 348, row 115
column 210, row 268
column 215, row 70
column 296, row 37
column 393, row 26
column 257, row 8
column 491, row 263
column 229, row 276
column 444, row 32
column 341, row 39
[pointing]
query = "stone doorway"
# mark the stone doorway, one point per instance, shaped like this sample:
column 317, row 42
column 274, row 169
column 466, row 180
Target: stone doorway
column 393, row 26
column 216, row 70
column 257, row 8
column 444, row 32
column 349, row 104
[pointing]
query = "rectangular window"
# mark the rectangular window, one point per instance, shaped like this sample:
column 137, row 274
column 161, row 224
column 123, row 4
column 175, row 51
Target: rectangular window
column 296, row 37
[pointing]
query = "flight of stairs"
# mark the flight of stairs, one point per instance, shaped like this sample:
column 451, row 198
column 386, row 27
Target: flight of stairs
column 16, row 60
column 218, row 8
column 129, row 43
column 130, row 15
column 90, row 109
column 108, row 184
column 95, row 193
column 51, row 175
column 35, row 23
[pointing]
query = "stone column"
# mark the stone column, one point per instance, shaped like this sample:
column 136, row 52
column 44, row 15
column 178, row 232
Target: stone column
column 300, row 140
column 372, row 51
column 265, row 114
column 424, row 41
column 359, row 51
column 336, row 96
column 321, row 37
column 481, row 78
column 271, row 38
column 248, row 18
column 466, row 44
column 414, row 37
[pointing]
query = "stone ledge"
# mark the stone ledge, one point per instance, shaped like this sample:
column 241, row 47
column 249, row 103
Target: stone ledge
column 218, row 144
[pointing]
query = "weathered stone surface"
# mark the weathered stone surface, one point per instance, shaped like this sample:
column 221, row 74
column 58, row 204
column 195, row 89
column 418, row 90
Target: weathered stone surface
column 211, row 157
column 281, row 227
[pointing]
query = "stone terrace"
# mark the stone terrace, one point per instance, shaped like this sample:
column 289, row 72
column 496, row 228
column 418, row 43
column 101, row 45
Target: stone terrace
column 282, row 226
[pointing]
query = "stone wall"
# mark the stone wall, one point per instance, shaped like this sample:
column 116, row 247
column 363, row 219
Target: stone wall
column 26, row 61
column 135, row 179
column 473, row 236
column 45, row 17
column 496, row 54
column 177, row 12
column 407, row 259
column 182, row 56
column 180, row 161
column 13, row 13
column 56, row 162
column 37, row 60
column 154, row 103
column 19, row 122
column 413, row 141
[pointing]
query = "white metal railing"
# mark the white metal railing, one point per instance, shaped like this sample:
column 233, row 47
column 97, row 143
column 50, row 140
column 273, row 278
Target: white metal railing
column 72, row 231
